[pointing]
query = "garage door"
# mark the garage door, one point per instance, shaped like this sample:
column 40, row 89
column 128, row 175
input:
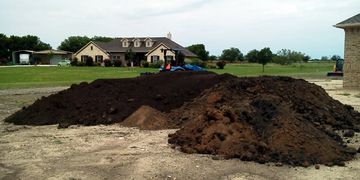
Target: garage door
column 55, row 59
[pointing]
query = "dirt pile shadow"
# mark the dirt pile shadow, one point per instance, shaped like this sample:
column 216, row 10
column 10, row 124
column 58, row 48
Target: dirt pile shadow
column 266, row 119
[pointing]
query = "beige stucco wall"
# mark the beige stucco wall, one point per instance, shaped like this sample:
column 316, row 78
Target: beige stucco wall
column 94, row 52
column 158, row 52
column 352, row 58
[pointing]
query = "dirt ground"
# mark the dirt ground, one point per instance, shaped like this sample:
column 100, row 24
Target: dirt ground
column 115, row 152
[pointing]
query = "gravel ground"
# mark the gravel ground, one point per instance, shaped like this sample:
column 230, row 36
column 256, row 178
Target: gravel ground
column 115, row 152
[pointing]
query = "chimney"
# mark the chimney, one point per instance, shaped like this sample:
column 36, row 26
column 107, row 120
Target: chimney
column 169, row 36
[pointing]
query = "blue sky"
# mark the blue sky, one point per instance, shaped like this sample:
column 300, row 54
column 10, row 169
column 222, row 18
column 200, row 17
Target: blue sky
column 301, row 25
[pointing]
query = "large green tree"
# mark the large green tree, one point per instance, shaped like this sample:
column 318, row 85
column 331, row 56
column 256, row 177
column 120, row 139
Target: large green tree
column 232, row 54
column 200, row 51
column 252, row 56
column 4, row 47
column 265, row 56
column 75, row 43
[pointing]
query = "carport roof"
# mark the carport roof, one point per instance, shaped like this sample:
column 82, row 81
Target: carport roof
column 59, row 52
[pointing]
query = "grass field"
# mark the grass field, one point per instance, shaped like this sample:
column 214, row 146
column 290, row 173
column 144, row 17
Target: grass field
column 27, row 77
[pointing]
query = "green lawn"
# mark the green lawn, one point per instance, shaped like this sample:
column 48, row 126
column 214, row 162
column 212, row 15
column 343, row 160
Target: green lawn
column 26, row 77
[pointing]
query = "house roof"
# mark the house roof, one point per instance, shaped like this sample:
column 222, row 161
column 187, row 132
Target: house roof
column 116, row 45
column 155, row 48
column 351, row 22
column 51, row 51
column 94, row 43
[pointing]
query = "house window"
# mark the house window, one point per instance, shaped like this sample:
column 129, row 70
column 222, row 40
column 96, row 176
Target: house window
column 148, row 43
column 83, row 58
column 155, row 59
column 98, row 58
column 125, row 44
column 137, row 43
column 91, row 47
column 169, row 58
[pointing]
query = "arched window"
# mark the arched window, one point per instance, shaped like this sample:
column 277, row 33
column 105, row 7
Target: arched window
column 125, row 44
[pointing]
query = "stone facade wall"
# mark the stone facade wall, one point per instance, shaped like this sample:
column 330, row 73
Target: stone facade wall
column 352, row 58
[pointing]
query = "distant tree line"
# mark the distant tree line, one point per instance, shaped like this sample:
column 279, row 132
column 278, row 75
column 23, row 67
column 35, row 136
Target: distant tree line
column 15, row 43
column 283, row 57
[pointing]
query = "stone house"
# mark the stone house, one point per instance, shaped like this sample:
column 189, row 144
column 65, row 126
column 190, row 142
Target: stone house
column 351, row 27
column 150, row 49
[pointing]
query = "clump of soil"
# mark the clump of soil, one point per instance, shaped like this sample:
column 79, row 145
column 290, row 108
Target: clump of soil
column 266, row 119
column 146, row 118
column 107, row 101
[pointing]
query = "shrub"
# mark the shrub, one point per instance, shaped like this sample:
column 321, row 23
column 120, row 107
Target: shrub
column 117, row 63
column 89, row 61
column 81, row 63
column 107, row 63
column 74, row 62
column 144, row 64
column 211, row 66
column 221, row 64
column 157, row 64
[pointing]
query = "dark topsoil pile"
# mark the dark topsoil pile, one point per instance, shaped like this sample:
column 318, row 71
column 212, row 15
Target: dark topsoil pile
column 108, row 101
column 264, row 119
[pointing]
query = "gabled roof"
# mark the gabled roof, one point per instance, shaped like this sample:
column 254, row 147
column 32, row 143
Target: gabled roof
column 351, row 22
column 94, row 43
column 115, row 46
column 156, row 47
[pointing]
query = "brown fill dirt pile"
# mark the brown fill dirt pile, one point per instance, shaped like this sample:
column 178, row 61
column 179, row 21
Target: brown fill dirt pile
column 108, row 101
column 266, row 119
column 146, row 118
column 262, row 119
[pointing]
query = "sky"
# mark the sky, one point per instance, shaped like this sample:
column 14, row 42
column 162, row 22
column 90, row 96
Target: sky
column 300, row 25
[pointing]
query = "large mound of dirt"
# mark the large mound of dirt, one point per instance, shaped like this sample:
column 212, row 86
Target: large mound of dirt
column 108, row 101
column 266, row 119
column 263, row 119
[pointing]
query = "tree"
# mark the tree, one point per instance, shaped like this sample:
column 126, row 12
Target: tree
column 335, row 58
column 286, row 56
column 252, row 56
column 200, row 51
column 265, row 56
column 213, row 58
column 4, row 47
column 129, row 55
column 324, row 58
column 74, row 43
column 307, row 58
column 14, row 43
column 101, row 39
column 232, row 54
